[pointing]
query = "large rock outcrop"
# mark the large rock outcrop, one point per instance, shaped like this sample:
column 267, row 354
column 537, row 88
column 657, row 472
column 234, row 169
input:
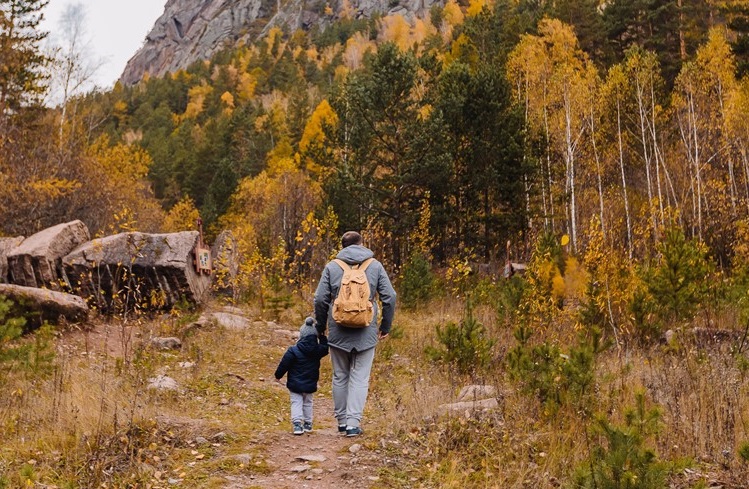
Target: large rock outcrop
column 37, row 261
column 6, row 245
column 39, row 305
column 193, row 30
column 136, row 269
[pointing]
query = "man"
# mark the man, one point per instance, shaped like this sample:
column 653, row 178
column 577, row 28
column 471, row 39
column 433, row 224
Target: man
column 352, row 349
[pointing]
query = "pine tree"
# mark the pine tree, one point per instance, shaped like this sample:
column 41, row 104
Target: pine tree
column 21, row 76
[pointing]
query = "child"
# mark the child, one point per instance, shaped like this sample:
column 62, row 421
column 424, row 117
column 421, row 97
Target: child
column 302, row 362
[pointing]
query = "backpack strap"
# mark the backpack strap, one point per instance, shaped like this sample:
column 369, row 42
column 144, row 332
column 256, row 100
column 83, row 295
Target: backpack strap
column 362, row 266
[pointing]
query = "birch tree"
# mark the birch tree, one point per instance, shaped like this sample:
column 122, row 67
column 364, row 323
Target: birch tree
column 700, row 96
column 552, row 75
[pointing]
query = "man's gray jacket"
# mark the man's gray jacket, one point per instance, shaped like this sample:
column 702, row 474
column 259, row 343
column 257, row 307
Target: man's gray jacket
column 358, row 339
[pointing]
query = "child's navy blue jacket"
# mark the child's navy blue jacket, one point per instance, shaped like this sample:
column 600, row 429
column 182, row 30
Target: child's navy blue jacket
column 302, row 362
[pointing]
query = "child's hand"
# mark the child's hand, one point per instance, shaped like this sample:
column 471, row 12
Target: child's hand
column 278, row 381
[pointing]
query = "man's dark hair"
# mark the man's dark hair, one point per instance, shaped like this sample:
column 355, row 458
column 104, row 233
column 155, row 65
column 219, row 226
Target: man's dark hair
column 350, row 238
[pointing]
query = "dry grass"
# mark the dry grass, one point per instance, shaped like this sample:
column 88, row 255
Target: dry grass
column 93, row 422
column 701, row 391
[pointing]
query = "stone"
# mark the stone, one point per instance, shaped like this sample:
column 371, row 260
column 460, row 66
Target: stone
column 231, row 321
column 152, row 271
column 469, row 406
column 311, row 458
column 286, row 334
column 232, row 310
column 6, row 245
column 355, row 448
column 668, row 336
column 224, row 319
column 39, row 305
column 163, row 383
column 38, row 260
column 299, row 468
column 243, row 458
column 473, row 392
column 170, row 343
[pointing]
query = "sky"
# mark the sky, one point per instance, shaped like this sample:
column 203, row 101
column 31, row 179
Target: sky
column 116, row 30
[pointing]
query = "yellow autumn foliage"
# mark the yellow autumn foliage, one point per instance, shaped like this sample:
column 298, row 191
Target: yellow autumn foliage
column 476, row 6
column 117, row 187
column 266, row 213
column 356, row 47
column 196, row 98
column 181, row 217
column 323, row 115
column 575, row 279
column 452, row 14
column 395, row 28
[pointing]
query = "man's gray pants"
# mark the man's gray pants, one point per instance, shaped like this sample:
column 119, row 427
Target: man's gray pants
column 350, row 384
column 301, row 407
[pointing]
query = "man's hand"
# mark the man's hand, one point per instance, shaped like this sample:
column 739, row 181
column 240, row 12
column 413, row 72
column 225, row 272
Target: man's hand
column 384, row 335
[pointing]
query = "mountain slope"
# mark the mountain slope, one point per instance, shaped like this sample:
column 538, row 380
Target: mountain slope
column 191, row 30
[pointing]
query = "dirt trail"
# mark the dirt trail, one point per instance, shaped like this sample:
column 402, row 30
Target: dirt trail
column 335, row 461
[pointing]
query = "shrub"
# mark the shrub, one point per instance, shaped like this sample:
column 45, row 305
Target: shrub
column 417, row 284
column 556, row 378
column 31, row 356
column 744, row 451
column 624, row 461
column 509, row 299
column 464, row 345
column 11, row 329
column 679, row 282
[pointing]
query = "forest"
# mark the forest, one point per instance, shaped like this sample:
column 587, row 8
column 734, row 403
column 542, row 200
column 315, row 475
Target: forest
column 603, row 144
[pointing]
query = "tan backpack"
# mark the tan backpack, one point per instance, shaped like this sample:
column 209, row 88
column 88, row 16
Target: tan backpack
column 352, row 307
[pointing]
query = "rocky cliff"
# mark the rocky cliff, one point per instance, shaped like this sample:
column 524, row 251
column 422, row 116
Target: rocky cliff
column 191, row 30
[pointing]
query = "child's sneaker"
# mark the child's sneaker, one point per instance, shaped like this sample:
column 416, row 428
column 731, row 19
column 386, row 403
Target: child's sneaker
column 307, row 426
column 341, row 428
column 298, row 429
column 353, row 431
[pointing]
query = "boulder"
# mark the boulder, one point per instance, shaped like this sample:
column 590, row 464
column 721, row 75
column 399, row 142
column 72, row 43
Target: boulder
column 37, row 261
column 150, row 271
column 228, row 321
column 477, row 391
column 170, row 343
column 39, row 305
column 163, row 383
column 6, row 245
column 469, row 406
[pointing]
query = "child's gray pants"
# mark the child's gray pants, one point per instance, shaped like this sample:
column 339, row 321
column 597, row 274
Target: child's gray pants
column 301, row 407
column 350, row 384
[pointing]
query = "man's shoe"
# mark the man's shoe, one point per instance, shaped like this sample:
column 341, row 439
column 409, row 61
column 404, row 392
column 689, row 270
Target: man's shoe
column 341, row 428
column 353, row 431
column 307, row 426
column 298, row 429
